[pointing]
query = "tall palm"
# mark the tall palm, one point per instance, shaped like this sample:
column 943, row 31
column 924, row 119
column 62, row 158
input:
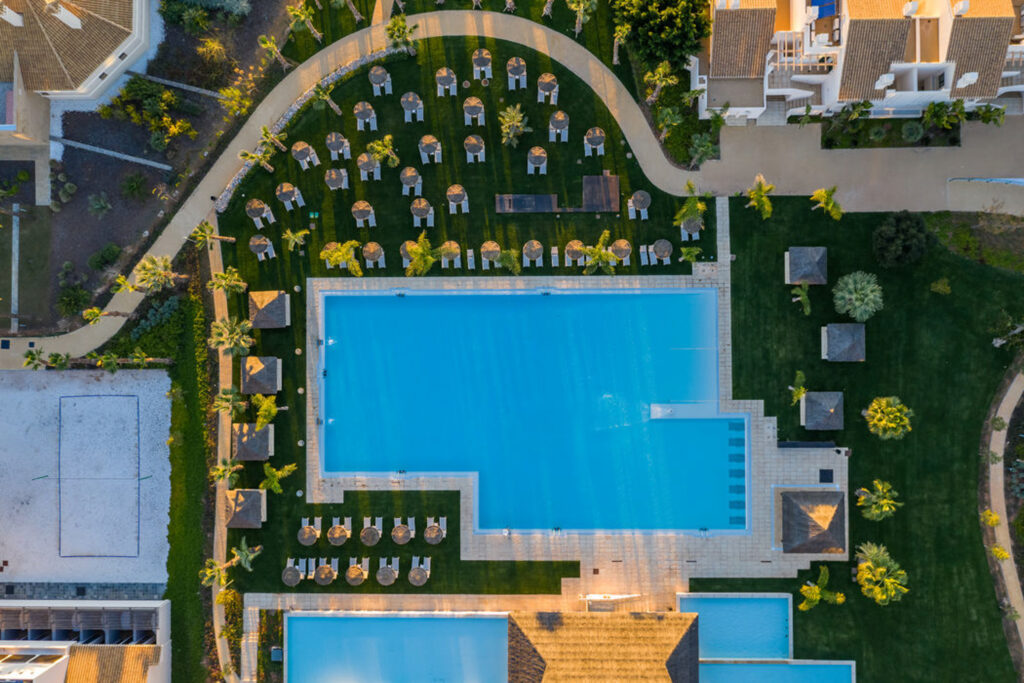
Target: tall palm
column 266, row 410
column 620, row 34
column 302, row 17
column 668, row 118
column 513, row 125
column 658, row 79
column 384, row 150
column 272, row 477
column 213, row 572
column 269, row 43
column 94, row 314
column 294, row 239
column 599, row 256
column 693, row 208
column 758, row 196
column 122, row 284
column 229, row 281
column 155, row 273
column 399, row 33
column 548, row 6
column 880, row 577
column 880, row 502
column 229, row 401
column 141, row 359
column 206, row 234
column 825, row 198
column 243, row 555
column 267, row 137
column 355, row 12
column 509, row 260
column 226, row 470
column 583, row 10
column 345, row 253
column 421, row 256
column 35, row 359
column 262, row 157
column 322, row 96
column 232, row 335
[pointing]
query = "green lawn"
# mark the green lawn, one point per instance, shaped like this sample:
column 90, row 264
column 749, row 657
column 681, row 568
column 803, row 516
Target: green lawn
column 33, row 268
column 935, row 353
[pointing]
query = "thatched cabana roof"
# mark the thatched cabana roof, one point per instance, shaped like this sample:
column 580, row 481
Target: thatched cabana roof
column 249, row 445
column 444, row 76
column 473, row 106
column 602, row 646
column 547, row 82
column 261, row 375
column 336, row 142
column 378, row 75
column 516, row 66
column 270, row 309
column 246, row 508
column 813, row 522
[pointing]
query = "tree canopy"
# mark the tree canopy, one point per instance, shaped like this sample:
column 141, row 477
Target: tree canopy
column 900, row 240
column 664, row 30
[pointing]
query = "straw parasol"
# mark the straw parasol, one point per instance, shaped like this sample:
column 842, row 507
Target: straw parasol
column 433, row 534
column 641, row 200
column 308, row 535
column 444, row 77
column 367, row 163
column 404, row 249
column 409, row 176
column 429, row 144
column 474, row 144
column 336, row 142
column 693, row 225
column 386, row 576
column 259, row 244
column 324, row 575
column 363, row 111
column 401, row 534
column 559, row 120
column 286, row 192
column 372, row 253
column 369, row 535
column 420, row 207
column 418, row 576
column 621, row 249
column 337, row 534
column 361, row 210
column 481, row 58
column 662, row 248
column 533, row 250
column 490, row 250
column 574, row 250
column 456, row 194
column 291, row 576
column 301, row 151
column 451, row 249
column 378, row 75
column 335, row 177
column 547, row 82
column 595, row 137
column 516, row 66
column 473, row 106
column 411, row 101
column 354, row 575
column 537, row 156
column 255, row 208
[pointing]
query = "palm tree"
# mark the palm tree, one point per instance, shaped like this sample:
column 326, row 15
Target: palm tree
column 509, row 260
column 689, row 254
column 322, row 96
column 335, row 254
column 693, row 207
column 880, row 577
column 269, row 43
column 155, row 273
column 229, row 281
column 109, row 361
column 702, row 148
column 989, row 114
column 272, row 477
column 888, row 417
column 758, row 195
column 59, row 361
column 798, row 390
column 599, row 256
column 384, row 150
column 421, row 256
column 262, row 157
column 205, row 233
column 513, row 125
column 859, row 295
column 229, row 401
column 141, row 359
column 302, row 16
column 270, row 138
column 620, row 34
column 294, row 238
column 213, row 572
column 266, row 410
column 233, row 335
column 815, row 592
column 399, row 33
column 93, row 315
column 121, row 284
column 226, row 470
column 548, row 6
column 659, row 78
column 801, row 293
column 825, row 198
column 355, row 13
column 880, row 502
column 668, row 118
column 243, row 555
column 35, row 359
column 583, row 10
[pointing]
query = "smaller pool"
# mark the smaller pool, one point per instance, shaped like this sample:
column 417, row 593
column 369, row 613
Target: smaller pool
column 776, row 672
column 742, row 625
column 370, row 647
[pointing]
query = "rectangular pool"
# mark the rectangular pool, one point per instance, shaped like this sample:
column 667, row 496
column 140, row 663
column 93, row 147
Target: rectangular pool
column 776, row 672
column 381, row 648
column 733, row 626
column 546, row 397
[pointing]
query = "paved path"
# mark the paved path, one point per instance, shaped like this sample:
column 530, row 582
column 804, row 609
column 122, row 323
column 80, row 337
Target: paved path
column 178, row 85
column 112, row 153
column 15, row 258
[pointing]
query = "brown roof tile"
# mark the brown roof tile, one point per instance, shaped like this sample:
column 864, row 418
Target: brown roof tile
column 978, row 44
column 872, row 45
column 740, row 40
column 111, row 663
column 875, row 9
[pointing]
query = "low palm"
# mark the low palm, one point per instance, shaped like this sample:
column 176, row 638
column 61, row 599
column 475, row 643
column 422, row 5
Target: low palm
column 384, row 150
column 302, row 19
column 213, row 572
column 660, row 77
column 880, row 502
column 231, row 335
column 230, row 280
column 266, row 410
column 824, row 198
column 294, row 238
column 801, row 294
column 758, row 196
column 261, row 157
column 600, row 257
column 229, row 401
column 513, row 125
column 668, row 118
column 269, row 43
column 335, row 254
column 206, row 234
column 155, row 273
column 422, row 256
column 269, row 138
column 272, row 477
column 322, row 96
column 243, row 555
column 399, row 33
column 226, row 470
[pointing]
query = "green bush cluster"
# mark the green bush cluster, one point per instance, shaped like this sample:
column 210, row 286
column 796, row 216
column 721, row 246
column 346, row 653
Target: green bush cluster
column 149, row 104
column 105, row 257
column 232, row 631
column 72, row 297
column 158, row 315
column 900, row 240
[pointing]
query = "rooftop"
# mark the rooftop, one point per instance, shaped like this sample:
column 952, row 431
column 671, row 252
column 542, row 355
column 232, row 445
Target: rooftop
column 822, row 410
column 813, row 522
column 843, row 342
column 806, row 264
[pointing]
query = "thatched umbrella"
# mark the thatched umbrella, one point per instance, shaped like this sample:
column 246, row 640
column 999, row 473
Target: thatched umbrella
column 662, row 248
column 559, row 120
column 366, row 163
column 301, row 151
column 490, row 250
column 693, row 225
column 641, row 200
column 537, row 156
column 355, row 575
column 418, row 576
column 286, row 192
column 410, row 177
column 532, row 250
column 420, row 207
column 474, row 144
column 336, row 142
column 401, row 533
column 445, row 77
column 473, row 106
column 574, row 250
column 335, row 178
column 451, row 249
column 433, row 534
column 621, row 249
column 308, row 535
column 456, row 194
column 378, row 75
column 259, row 244
column 291, row 576
column 429, row 145
column 404, row 249
column 411, row 102
column 324, row 575
column 386, row 576
column 337, row 534
column 516, row 66
column 361, row 210
column 255, row 208
column 595, row 137
column 372, row 252
column 363, row 111
column 369, row 535
column 481, row 58
column 547, row 83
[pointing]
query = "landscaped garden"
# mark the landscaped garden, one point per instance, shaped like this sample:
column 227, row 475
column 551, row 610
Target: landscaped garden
column 931, row 346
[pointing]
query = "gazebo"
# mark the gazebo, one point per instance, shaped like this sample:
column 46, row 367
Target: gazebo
column 303, row 153
column 251, row 445
column 412, row 182
column 270, row 309
column 558, row 127
column 380, row 79
column 446, row 81
column 373, row 254
column 813, row 522
column 430, row 149
column 533, row 252
column 365, row 116
column 474, row 146
column 821, row 411
column 537, row 160
column 547, row 88
column 481, row 64
column 516, row 69
column 420, row 210
column 261, row 375
column 412, row 106
column 806, row 264
column 593, row 141
column 338, row 144
column 843, row 342
column 363, row 213
column 245, row 508
column 257, row 210
column 457, row 199
column 368, row 166
column 473, row 111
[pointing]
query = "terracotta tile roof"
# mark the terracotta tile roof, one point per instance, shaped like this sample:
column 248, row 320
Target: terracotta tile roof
column 111, row 663
column 988, row 8
column 875, row 9
column 54, row 56
column 872, row 45
column 740, row 40
column 978, row 43
column 602, row 646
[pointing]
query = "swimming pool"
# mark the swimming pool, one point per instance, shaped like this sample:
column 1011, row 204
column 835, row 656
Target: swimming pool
column 368, row 647
column 776, row 672
column 734, row 626
column 546, row 397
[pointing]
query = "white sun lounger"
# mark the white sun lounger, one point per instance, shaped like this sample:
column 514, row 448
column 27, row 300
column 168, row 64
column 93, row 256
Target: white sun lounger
column 304, row 522
column 412, row 527
column 554, row 257
column 394, row 565
column 444, row 526
column 430, row 521
column 334, row 565
column 470, row 259
column 318, row 524
column 426, row 565
column 643, row 255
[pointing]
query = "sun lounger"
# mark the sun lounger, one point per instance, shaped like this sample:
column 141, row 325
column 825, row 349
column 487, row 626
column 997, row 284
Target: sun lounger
column 426, row 565
column 383, row 562
column 443, row 523
column 430, row 521
column 352, row 561
column 348, row 525
column 336, row 521
column 301, row 566
column 643, row 255
column 394, row 566
column 334, row 565
column 526, row 261
column 379, row 524
column 290, row 562
column 365, row 565
column 485, row 264
column 470, row 260
column 405, row 262
column 318, row 524
column 398, row 521
column 367, row 522
column 304, row 522
column 415, row 561
column 458, row 261
column 554, row 257
column 412, row 527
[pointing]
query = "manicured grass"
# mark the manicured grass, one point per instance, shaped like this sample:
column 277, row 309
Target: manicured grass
column 33, row 267
column 935, row 353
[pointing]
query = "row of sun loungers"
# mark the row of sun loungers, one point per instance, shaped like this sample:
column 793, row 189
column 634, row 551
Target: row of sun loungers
column 387, row 572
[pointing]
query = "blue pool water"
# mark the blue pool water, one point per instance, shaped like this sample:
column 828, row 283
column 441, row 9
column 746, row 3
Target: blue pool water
column 775, row 672
column 374, row 648
column 741, row 627
column 547, row 398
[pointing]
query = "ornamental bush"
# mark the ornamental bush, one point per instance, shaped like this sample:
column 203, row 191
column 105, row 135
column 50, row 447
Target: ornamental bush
column 900, row 240
column 859, row 295
column 664, row 30
column 888, row 417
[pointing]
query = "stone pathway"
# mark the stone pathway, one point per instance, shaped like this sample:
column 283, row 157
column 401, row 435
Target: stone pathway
column 111, row 153
column 180, row 86
column 15, row 259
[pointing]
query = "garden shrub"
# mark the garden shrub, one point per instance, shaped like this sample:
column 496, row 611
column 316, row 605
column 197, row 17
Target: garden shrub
column 232, row 631
column 72, row 299
column 105, row 257
column 236, row 7
column 900, row 240
column 1018, row 527
column 912, row 131
column 159, row 314
column 877, row 134
column 664, row 30
column 149, row 104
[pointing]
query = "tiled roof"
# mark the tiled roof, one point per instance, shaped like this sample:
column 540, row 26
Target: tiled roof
column 822, row 410
column 248, row 443
column 269, row 309
column 988, row 8
column 740, row 40
column 872, row 45
column 813, row 522
column 54, row 56
column 978, row 43
column 111, row 663
column 875, row 9
column 245, row 508
column 846, row 342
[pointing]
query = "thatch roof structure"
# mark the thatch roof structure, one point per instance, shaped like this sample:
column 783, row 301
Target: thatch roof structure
column 813, row 522
column 807, row 264
column 246, row 508
column 248, row 444
column 822, row 410
column 602, row 646
column 843, row 342
column 110, row 663
column 270, row 309
column 261, row 375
